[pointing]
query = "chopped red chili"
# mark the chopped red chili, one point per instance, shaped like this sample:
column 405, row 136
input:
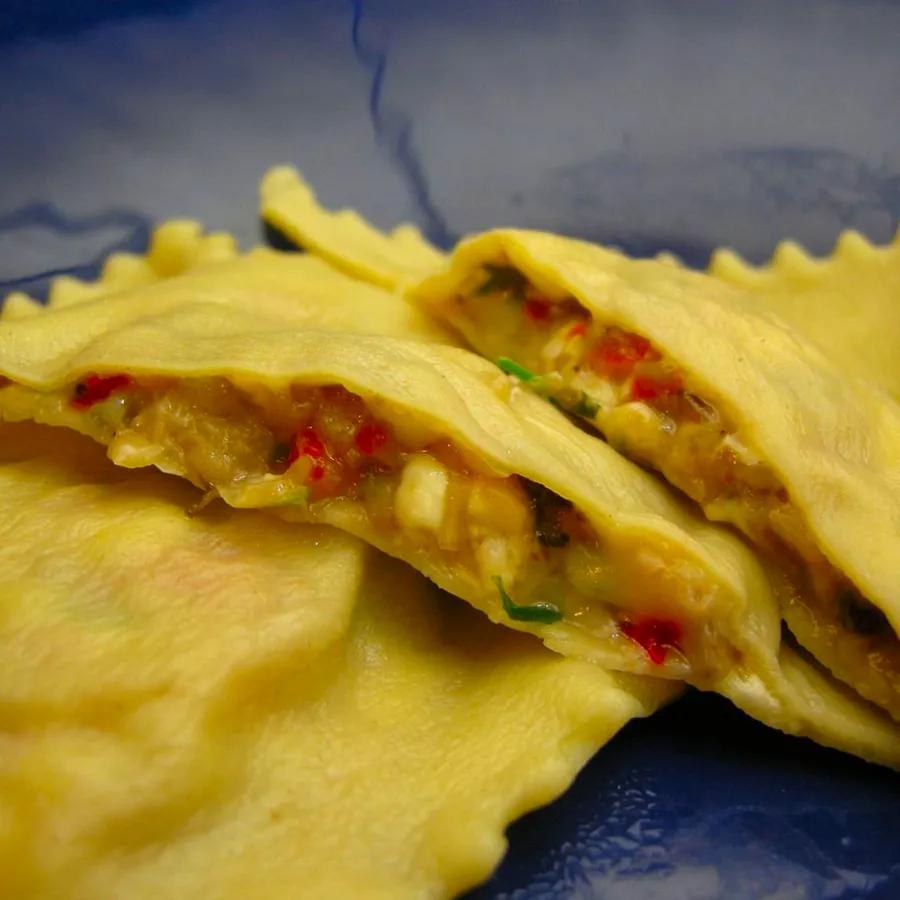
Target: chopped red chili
column 650, row 387
column 656, row 636
column 308, row 443
column 97, row 388
column 538, row 310
column 577, row 330
column 371, row 438
column 618, row 352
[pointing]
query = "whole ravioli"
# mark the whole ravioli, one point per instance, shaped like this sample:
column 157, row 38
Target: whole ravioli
column 201, row 705
column 212, row 381
column 701, row 381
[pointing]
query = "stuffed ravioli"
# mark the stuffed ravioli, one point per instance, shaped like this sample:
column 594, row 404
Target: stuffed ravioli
column 697, row 380
column 190, row 706
column 434, row 456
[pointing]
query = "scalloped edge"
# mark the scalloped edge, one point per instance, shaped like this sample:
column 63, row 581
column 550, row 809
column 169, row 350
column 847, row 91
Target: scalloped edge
column 18, row 305
column 791, row 260
column 342, row 237
column 176, row 246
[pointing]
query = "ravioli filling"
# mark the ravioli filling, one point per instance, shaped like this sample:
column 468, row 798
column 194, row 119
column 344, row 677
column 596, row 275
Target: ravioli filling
column 510, row 546
column 645, row 406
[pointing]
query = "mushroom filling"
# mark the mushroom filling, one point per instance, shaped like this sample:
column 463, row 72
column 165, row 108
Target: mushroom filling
column 645, row 405
column 324, row 454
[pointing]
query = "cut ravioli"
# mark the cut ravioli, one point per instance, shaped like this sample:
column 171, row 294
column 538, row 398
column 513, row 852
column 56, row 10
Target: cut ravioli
column 432, row 455
column 691, row 377
column 344, row 238
column 849, row 302
column 189, row 705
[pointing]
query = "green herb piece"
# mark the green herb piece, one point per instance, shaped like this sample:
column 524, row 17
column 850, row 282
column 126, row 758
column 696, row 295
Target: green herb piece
column 503, row 280
column 545, row 613
column 585, row 407
column 511, row 367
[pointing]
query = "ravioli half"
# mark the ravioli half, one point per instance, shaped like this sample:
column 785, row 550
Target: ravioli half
column 849, row 302
column 202, row 706
column 432, row 455
column 692, row 377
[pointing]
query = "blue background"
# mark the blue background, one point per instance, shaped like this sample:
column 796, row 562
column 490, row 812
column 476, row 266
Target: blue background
column 650, row 125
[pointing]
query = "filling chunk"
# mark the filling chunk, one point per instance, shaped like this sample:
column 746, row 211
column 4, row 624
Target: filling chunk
column 324, row 454
column 646, row 406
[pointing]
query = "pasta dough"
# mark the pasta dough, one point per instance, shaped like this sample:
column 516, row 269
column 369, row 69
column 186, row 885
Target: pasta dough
column 195, row 705
column 344, row 238
column 849, row 302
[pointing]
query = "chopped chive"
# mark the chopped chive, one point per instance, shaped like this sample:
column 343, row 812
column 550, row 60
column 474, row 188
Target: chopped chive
column 545, row 613
column 503, row 279
column 511, row 367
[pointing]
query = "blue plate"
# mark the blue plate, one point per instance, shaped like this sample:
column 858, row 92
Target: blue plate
column 650, row 125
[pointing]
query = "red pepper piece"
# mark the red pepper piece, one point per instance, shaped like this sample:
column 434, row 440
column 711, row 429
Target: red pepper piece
column 538, row 310
column 577, row 330
column 371, row 438
column 651, row 387
column 97, row 388
column 656, row 636
column 308, row 443
column 618, row 352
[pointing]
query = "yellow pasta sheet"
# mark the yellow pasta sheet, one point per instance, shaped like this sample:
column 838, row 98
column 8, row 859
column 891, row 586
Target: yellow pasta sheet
column 176, row 246
column 849, row 302
column 344, row 238
column 232, row 706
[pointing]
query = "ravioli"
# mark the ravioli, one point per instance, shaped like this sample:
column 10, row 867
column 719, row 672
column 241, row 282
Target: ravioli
column 344, row 238
column 176, row 246
column 183, row 263
column 192, row 705
column 435, row 457
column 849, row 303
column 698, row 380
